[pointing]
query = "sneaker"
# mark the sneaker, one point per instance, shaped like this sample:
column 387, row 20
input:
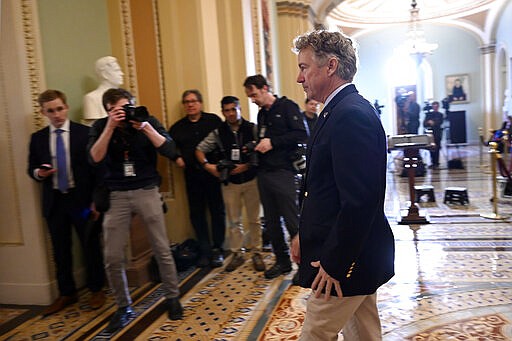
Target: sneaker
column 120, row 319
column 278, row 269
column 257, row 262
column 237, row 260
column 174, row 309
column 217, row 258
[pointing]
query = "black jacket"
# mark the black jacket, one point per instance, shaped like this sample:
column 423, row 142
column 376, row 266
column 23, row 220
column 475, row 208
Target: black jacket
column 188, row 134
column 139, row 150
column 283, row 123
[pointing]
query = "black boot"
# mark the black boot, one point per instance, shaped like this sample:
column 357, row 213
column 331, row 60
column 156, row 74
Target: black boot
column 278, row 269
column 120, row 319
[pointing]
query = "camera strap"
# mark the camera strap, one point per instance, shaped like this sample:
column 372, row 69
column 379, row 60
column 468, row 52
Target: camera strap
column 219, row 142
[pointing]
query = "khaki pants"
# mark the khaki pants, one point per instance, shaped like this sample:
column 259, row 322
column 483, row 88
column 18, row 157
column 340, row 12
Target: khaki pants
column 356, row 315
column 237, row 196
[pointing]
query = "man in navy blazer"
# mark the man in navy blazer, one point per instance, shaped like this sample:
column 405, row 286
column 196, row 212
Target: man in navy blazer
column 68, row 205
column 345, row 244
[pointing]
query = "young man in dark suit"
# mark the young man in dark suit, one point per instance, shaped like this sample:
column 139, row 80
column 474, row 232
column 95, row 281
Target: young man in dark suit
column 345, row 245
column 58, row 159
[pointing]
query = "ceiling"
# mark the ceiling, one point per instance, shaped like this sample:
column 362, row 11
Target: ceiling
column 353, row 16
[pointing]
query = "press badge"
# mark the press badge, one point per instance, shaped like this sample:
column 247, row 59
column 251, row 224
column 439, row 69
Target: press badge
column 129, row 168
column 235, row 154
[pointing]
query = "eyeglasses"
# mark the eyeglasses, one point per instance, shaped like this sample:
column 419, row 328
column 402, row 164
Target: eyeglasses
column 190, row 101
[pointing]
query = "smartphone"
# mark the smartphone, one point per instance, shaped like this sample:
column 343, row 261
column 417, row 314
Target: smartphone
column 46, row 166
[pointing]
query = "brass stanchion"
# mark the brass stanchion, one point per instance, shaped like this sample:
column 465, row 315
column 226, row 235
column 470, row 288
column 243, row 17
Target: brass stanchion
column 412, row 214
column 505, row 145
column 494, row 160
column 481, row 134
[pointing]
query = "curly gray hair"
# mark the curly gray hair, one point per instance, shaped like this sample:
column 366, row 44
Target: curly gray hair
column 328, row 44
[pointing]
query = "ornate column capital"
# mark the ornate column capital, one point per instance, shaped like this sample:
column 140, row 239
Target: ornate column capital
column 294, row 8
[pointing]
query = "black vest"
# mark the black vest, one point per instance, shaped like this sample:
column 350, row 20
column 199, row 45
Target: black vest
column 230, row 140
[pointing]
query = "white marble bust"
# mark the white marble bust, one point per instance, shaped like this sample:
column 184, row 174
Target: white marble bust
column 110, row 75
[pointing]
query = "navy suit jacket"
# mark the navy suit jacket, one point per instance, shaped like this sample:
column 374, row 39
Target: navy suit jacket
column 342, row 221
column 39, row 153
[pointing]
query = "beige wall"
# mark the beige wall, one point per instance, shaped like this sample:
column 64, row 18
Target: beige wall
column 25, row 263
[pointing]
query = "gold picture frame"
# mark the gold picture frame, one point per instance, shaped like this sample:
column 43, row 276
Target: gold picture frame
column 457, row 88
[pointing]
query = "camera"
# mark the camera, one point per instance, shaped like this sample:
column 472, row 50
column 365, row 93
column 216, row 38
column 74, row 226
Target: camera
column 446, row 103
column 133, row 113
column 299, row 158
column 378, row 107
column 224, row 167
column 249, row 147
column 427, row 107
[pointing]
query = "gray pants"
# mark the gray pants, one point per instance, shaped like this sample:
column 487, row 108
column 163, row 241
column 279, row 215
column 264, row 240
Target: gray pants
column 278, row 193
column 116, row 230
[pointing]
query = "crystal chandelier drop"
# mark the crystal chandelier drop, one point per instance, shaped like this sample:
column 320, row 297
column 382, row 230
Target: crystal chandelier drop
column 416, row 42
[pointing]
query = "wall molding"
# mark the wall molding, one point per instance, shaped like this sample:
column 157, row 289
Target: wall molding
column 128, row 46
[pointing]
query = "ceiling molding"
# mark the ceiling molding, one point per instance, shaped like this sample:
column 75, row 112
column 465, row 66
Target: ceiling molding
column 358, row 17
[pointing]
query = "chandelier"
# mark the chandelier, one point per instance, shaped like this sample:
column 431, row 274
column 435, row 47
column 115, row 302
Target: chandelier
column 416, row 42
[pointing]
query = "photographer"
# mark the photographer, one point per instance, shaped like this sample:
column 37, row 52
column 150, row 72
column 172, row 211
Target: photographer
column 280, row 130
column 433, row 120
column 237, row 170
column 126, row 143
column 203, row 189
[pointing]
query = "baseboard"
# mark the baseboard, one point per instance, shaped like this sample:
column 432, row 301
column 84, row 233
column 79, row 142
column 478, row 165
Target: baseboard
column 28, row 293
column 34, row 293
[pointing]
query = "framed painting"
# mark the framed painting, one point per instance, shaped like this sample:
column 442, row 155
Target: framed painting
column 457, row 88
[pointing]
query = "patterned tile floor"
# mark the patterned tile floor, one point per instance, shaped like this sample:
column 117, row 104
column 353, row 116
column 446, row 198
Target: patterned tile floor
column 453, row 280
column 453, row 277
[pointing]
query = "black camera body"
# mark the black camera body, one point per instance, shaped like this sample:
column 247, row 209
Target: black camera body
column 249, row 147
column 427, row 107
column 133, row 113
column 378, row 107
column 299, row 158
column 446, row 103
column 224, row 167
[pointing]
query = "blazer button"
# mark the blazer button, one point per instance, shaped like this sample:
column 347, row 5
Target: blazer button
column 306, row 194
